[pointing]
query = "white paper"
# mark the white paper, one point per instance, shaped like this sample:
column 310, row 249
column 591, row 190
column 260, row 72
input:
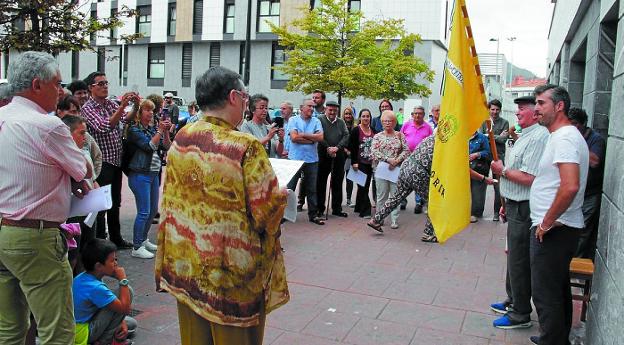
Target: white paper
column 285, row 169
column 90, row 219
column 290, row 213
column 357, row 176
column 383, row 172
column 97, row 200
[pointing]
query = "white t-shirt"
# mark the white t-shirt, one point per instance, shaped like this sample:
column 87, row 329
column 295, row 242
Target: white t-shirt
column 565, row 145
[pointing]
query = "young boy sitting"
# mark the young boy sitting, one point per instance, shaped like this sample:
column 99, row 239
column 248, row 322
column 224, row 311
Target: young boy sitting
column 99, row 312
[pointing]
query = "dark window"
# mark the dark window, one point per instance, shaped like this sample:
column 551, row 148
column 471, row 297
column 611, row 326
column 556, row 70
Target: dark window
column 114, row 31
column 215, row 54
column 125, row 65
column 144, row 20
column 230, row 11
column 101, row 59
column 268, row 12
column 198, row 14
column 156, row 62
column 315, row 4
column 94, row 17
column 187, row 64
column 75, row 72
column 171, row 28
column 355, row 6
column 278, row 58
column 241, row 62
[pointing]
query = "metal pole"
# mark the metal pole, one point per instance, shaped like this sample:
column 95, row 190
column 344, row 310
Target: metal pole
column 247, row 45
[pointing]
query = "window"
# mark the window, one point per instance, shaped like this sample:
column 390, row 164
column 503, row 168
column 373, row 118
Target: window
column 171, row 27
column 93, row 17
column 230, row 10
column 101, row 59
column 355, row 6
column 124, row 68
column 268, row 11
column 75, row 65
column 187, row 64
column 277, row 60
column 114, row 31
column 144, row 20
column 215, row 54
column 241, row 62
column 315, row 4
column 156, row 62
column 198, row 14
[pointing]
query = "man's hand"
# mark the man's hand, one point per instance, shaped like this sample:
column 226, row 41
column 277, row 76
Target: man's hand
column 121, row 333
column 474, row 156
column 497, row 167
column 119, row 273
column 80, row 189
column 127, row 98
column 280, row 133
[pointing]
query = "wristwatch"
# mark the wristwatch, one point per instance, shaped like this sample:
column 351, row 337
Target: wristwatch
column 504, row 172
column 124, row 282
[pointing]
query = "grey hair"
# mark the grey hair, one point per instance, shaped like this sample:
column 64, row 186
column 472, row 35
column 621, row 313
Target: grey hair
column 29, row 66
column 419, row 107
column 306, row 99
column 288, row 104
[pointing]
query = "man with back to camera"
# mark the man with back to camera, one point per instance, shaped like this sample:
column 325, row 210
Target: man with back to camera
column 516, row 178
column 38, row 150
column 556, row 201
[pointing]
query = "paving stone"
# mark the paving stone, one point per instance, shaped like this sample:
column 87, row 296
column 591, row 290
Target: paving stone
column 354, row 304
column 307, row 295
column 420, row 315
column 331, row 324
column 377, row 332
column 412, row 290
column 292, row 316
column 426, row 336
column 271, row 334
column 289, row 338
column 480, row 325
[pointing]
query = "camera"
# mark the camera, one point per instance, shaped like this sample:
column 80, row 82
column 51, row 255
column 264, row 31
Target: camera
column 279, row 122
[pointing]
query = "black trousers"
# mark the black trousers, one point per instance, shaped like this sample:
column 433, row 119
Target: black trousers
column 362, row 201
column 518, row 259
column 110, row 175
column 550, row 282
column 335, row 167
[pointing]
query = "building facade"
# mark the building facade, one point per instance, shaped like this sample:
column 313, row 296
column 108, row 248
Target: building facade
column 586, row 55
column 183, row 38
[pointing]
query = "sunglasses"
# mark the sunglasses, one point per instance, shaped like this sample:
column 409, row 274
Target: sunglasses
column 101, row 83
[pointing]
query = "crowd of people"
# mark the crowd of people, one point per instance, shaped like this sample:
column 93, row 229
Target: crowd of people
column 219, row 184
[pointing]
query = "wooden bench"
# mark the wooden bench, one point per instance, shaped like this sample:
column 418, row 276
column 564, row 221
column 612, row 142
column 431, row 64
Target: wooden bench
column 583, row 270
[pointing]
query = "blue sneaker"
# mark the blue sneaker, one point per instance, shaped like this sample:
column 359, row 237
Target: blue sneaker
column 534, row 339
column 504, row 322
column 500, row 308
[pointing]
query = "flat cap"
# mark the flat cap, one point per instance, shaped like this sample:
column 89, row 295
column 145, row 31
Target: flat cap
column 168, row 94
column 525, row 99
column 332, row 104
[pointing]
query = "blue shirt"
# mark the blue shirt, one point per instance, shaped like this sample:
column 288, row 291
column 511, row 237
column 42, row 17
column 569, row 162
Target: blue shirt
column 479, row 143
column 304, row 152
column 90, row 295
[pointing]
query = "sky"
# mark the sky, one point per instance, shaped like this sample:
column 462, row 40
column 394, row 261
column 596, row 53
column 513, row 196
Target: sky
column 527, row 20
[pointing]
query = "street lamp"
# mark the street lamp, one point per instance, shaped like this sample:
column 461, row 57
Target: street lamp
column 497, row 46
column 511, row 39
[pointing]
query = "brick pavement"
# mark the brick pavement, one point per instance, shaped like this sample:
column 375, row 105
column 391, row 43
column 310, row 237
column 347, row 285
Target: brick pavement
column 351, row 285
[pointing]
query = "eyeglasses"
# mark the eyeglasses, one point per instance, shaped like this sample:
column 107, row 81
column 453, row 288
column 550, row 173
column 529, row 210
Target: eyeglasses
column 242, row 94
column 168, row 97
column 101, row 83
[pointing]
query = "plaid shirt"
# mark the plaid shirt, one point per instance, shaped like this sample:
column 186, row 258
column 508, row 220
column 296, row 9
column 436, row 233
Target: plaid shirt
column 108, row 138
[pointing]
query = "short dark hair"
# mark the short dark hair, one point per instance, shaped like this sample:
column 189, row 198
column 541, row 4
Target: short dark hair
column 77, row 85
column 319, row 91
column 558, row 94
column 495, row 102
column 253, row 100
column 66, row 102
column 579, row 115
column 387, row 101
column 213, row 87
column 96, row 250
column 90, row 79
column 72, row 121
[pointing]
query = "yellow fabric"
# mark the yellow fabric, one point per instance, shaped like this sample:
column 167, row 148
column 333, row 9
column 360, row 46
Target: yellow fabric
column 82, row 334
column 218, row 250
column 195, row 330
column 463, row 109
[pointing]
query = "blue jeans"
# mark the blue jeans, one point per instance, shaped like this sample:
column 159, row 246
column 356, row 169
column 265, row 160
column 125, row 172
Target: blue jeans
column 145, row 188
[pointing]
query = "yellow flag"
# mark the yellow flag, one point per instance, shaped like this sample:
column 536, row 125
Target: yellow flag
column 462, row 110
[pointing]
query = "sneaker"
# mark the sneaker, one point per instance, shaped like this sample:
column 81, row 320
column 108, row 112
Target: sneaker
column 496, row 218
column 501, row 307
column 141, row 253
column 418, row 209
column 534, row 339
column 504, row 322
column 149, row 245
column 394, row 225
column 473, row 219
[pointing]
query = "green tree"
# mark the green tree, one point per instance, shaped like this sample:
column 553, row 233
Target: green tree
column 54, row 26
column 336, row 50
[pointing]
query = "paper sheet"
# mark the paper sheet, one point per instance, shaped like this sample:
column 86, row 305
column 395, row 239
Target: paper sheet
column 290, row 213
column 285, row 169
column 383, row 172
column 357, row 176
column 99, row 199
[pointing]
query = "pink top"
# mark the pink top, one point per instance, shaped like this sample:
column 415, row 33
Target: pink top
column 414, row 134
column 38, row 157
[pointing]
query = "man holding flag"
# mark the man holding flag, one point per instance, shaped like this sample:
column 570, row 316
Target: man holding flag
column 463, row 110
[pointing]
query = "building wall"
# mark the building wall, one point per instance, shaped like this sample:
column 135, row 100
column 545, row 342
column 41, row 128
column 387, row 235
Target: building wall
column 587, row 56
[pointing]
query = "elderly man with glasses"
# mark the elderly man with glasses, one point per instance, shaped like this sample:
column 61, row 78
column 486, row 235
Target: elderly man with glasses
column 103, row 118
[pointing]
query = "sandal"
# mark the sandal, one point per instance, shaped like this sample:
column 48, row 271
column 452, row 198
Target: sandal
column 375, row 226
column 429, row 238
column 317, row 221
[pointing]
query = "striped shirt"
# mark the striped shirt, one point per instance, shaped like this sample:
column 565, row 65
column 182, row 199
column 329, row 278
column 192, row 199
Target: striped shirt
column 107, row 137
column 525, row 156
column 38, row 158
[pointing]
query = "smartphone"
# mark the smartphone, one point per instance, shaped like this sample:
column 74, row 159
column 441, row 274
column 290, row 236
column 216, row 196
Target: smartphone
column 279, row 122
column 164, row 116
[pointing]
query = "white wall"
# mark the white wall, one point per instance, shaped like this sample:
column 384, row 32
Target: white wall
column 563, row 14
column 424, row 17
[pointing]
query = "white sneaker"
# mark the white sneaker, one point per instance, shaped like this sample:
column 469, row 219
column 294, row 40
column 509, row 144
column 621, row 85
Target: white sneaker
column 149, row 245
column 394, row 225
column 141, row 253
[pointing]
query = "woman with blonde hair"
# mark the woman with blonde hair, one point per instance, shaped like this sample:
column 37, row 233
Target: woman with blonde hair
column 143, row 140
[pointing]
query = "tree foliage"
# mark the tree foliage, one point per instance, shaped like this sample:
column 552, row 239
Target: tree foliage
column 336, row 50
column 54, row 26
